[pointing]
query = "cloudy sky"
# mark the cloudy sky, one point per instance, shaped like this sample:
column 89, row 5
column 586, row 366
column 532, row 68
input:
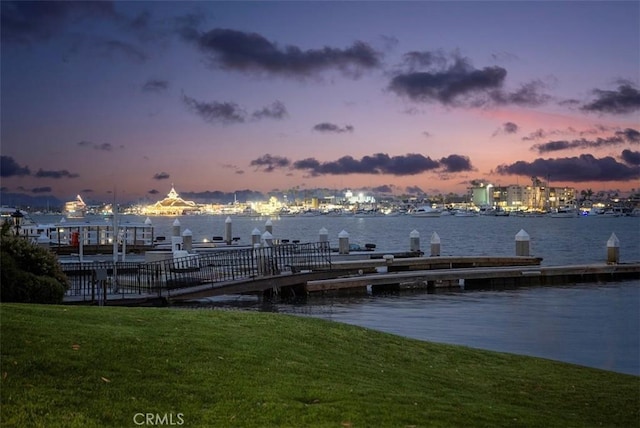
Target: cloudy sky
column 405, row 96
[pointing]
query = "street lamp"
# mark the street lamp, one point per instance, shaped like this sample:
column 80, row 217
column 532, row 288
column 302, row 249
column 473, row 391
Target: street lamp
column 17, row 219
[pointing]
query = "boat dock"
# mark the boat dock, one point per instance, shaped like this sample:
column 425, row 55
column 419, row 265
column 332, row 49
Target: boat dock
column 294, row 269
column 307, row 269
column 479, row 277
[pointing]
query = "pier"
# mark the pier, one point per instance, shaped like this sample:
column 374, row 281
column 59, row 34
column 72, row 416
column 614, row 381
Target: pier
column 475, row 278
column 306, row 269
column 283, row 269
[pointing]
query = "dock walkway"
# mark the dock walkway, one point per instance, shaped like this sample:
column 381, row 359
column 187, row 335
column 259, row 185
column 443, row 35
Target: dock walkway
column 482, row 277
column 300, row 270
column 422, row 263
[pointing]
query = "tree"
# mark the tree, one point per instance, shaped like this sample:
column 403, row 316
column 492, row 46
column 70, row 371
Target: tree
column 28, row 273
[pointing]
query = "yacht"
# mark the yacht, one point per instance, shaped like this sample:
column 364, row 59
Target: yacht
column 426, row 211
column 565, row 212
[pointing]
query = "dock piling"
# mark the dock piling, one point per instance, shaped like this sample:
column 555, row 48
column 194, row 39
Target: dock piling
column 323, row 235
column 176, row 228
column 522, row 243
column 176, row 237
column 613, row 250
column 187, row 240
column 267, row 239
column 255, row 237
column 414, row 241
column 228, row 227
column 268, row 226
column 435, row 245
column 343, row 242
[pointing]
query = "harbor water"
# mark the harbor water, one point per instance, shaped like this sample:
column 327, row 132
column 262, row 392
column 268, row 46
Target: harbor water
column 595, row 325
column 591, row 324
column 559, row 241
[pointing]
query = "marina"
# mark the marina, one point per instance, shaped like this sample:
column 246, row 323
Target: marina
column 558, row 241
column 280, row 264
column 572, row 251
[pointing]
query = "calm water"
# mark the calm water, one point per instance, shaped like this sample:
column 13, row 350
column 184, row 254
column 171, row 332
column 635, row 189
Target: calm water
column 558, row 241
column 596, row 325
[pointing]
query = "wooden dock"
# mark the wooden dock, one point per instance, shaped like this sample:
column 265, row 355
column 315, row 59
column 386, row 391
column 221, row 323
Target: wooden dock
column 299, row 273
column 350, row 277
column 481, row 277
column 426, row 263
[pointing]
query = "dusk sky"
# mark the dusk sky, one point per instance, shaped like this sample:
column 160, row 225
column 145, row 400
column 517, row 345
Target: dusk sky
column 404, row 96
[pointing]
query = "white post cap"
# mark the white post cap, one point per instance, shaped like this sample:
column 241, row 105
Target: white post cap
column 522, row 236
column 435, row 238
column 613, row 241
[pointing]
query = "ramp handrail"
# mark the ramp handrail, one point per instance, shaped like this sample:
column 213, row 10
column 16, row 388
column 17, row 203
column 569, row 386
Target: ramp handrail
column 158, row 277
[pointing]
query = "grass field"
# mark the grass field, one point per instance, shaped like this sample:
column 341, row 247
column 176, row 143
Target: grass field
column 66, row 366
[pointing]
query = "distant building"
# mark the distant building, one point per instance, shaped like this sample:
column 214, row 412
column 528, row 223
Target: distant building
column 482, row 195
column 360, row 198
column 537, row 196
column 172, row 205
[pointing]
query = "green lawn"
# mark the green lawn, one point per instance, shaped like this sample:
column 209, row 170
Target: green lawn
column 88, row 366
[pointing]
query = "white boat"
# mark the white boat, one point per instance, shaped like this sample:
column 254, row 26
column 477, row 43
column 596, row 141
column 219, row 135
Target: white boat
column 613, row 212
column 368, row 213
column 465, row 213
column 487, row 210
column 565, row 212
column 76, row 208
column 426, row 211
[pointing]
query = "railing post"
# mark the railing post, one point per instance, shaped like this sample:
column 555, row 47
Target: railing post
column 158, row 279
column 93, row 287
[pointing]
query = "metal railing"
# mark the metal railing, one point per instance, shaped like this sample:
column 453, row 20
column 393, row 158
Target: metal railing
column 125, row 278
column 98, row 279
column 231, row 265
